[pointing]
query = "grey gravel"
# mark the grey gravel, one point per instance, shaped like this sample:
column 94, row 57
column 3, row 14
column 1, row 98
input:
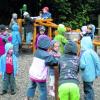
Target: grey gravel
column 22, row 81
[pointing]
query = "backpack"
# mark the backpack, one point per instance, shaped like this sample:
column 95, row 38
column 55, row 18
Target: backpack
column 38, row 71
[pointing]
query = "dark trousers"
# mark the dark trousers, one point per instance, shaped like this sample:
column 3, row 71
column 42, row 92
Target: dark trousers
column 9, row 80
column 88, row 91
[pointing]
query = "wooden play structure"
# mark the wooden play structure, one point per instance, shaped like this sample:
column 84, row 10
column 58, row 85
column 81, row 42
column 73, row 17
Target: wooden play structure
column 51, row 27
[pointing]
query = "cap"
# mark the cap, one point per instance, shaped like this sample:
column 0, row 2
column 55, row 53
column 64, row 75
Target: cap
column 46, row 8
column 25, row 14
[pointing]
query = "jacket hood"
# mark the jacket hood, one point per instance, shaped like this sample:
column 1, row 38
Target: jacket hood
column 86, row 43
column 84, row 29
column 53, row 42
column 8, row 46
column 43, row 42
column 70, row 47
column 61, row 29
column 15, row 27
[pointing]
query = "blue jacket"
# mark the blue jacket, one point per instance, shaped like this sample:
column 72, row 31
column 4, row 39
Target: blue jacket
column 3, row 61
column 16, row 38
column 89, row 61
column 46, row 15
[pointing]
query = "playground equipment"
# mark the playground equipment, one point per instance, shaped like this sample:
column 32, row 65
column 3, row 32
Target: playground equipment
column 51, row 27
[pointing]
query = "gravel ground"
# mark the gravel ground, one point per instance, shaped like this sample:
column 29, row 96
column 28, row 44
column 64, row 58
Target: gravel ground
column 22, row 81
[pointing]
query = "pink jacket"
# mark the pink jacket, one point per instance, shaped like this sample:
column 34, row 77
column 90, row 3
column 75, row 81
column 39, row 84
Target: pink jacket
column 2, row 46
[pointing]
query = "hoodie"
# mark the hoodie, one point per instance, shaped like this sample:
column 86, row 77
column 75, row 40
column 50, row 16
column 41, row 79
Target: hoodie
column 89, row 60
column 3, row 61
column 60, row 37
column 69, row 64
column 42, row 54
column 16, row 38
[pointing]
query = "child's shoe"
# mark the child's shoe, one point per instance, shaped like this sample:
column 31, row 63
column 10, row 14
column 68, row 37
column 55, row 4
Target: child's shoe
column 3, row 92
column 13, row 92
column 51, row 93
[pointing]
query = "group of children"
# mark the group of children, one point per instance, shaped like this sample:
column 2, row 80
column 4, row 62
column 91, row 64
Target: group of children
column 63, row 52
column 10, row 40
column 60, row 52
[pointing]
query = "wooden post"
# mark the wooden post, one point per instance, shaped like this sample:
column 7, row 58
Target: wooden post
column 56, row 71
column 20, row 24
column 34, row 38
column 50, row 32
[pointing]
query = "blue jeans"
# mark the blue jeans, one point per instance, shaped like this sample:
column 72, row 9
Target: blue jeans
column 88, row 91
column 51, row 71
column 16, row 50
column 28, row 37
column 42, row 89
column 9, row 80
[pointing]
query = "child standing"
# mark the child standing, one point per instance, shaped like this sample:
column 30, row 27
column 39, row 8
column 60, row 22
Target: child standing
column 8, row 69
column 13, row 20
column 60, row 37
column 41, row 32
column 90, row 67
column 55, row 52
column 28, row 28
column 16, row 39
column 38, row 70
column 46, row 14
column 91, row 30
column 68, row 73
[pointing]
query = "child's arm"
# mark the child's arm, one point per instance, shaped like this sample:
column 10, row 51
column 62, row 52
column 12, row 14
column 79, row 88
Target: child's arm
column 96, row 60
column 19, row 38
column 82, row 62
column 51, row 61
column 64, row 40
column 0, row 69
column 15, row 64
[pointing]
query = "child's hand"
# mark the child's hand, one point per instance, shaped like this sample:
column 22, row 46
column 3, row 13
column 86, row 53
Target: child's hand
column 17, row 74
column 0, row 75
column 57, row 55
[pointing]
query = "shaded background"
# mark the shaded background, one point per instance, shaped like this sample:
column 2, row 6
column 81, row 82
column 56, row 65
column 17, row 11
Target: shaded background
column 7, row 7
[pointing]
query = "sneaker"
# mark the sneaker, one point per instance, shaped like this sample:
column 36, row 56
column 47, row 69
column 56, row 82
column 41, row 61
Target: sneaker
column 51, row 93
column 3, row 92
column 13, row 92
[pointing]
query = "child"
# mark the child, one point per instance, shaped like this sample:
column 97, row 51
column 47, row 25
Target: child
column 84, row 31
column 90, row 67
column 68, row 73
column 16, row 39
column 8, row 69
column 60, row 37
column 38, row 70
column 55, row 52
column 41, row 32
column 13, row 20
column 46, row 14
column 28, row 27
column 91, row 30
column 3, row 39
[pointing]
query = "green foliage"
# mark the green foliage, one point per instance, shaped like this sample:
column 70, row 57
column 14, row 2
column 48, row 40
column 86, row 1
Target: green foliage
column 74, row 14
column 81, row 17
